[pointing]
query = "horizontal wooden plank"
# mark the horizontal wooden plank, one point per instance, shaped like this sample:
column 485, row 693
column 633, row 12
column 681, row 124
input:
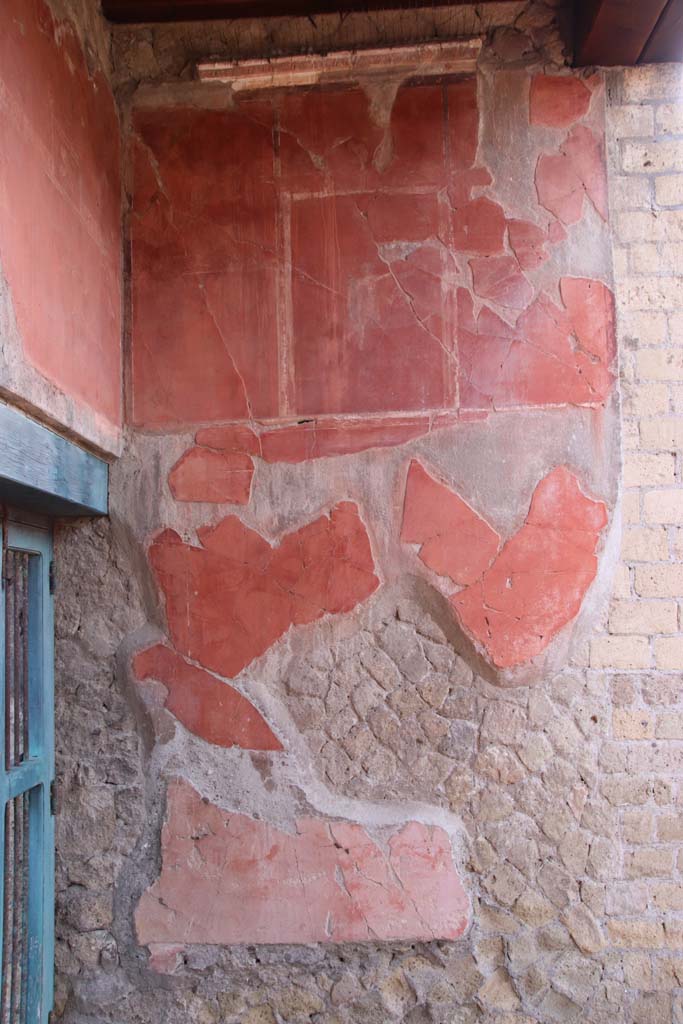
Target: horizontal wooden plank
column 666, row 41
column 202, row 10
column 46, row 473
column 613, row 32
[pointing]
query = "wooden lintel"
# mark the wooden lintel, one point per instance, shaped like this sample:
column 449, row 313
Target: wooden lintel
column 45, row 472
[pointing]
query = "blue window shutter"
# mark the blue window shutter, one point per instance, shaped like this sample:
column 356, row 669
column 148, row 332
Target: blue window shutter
column 26, row 775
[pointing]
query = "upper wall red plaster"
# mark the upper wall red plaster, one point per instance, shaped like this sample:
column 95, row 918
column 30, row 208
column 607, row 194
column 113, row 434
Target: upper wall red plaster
column 303, row 255
column 60, row 207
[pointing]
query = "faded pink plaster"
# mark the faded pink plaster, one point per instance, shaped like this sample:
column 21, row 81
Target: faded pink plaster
column 60, row 207
column 227, row 878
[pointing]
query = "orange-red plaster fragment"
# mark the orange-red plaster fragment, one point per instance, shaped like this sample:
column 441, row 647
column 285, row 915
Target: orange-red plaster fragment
column 230, row 599
column 537, row 583
column 206, row 706
column 454, row 541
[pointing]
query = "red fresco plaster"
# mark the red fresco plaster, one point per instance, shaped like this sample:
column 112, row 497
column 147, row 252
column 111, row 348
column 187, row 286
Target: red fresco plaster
column 205, row 475
column 576, row 172
column 537, row 583
column 60, row 235
column 479, row 226
column 232, row 438
column 206, row 706
column 226, row 878
column 557, row 101
column 500, row 279
column 528, row 242
column 552, row 356
column 229, row 600
column 320, row 439
column 455, row 541
column 319, row 248
column 304, row 267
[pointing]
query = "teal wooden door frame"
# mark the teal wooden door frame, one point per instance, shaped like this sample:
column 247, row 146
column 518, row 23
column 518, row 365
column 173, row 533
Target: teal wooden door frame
column 26, row 781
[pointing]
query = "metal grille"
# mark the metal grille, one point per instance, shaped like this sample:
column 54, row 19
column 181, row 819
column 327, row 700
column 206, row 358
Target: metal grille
column 26, row 829
column 15, row 897
column 15, row 940
column 16, row 657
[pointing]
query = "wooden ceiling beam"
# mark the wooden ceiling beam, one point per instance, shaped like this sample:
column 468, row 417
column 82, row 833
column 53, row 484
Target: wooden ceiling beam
column 136, row 11
column 613, row 32
column 666, row 41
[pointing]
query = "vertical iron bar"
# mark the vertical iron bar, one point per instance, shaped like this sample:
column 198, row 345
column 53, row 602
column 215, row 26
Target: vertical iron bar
column 18, row 673
column 9, row 636
column 24, row 680
column 17, row 916
column 7, row 914
column 25, row 905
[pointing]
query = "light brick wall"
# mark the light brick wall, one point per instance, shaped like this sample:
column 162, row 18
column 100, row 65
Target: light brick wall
column 641, row 647
column 644, row 629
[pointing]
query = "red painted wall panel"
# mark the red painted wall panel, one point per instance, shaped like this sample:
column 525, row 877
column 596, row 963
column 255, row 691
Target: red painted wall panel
column 60, row 196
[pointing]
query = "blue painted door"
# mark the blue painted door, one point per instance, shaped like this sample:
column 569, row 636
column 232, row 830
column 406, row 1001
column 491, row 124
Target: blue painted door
column 26, row 776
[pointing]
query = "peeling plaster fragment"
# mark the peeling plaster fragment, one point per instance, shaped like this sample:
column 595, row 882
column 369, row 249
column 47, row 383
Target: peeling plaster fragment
column 565, row 179
column 231, row 438
column 323, row 438
column 528, row 242
column 479, row 227
column 454, row 541
column 537, row 583
column 165, row 958
column 557, row 101
column 552, row 356
column 229, row 600
column 226, row 878
column 205, row 475
column 499, row 279
column 207, row 706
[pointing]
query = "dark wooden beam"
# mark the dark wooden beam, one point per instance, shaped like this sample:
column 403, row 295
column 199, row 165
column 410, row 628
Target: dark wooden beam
column 135, row 11
column 666, row 41
column 613, row 32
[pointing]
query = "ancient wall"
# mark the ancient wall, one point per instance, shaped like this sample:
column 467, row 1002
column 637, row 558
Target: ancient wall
column 60, row 222
column 341, row 693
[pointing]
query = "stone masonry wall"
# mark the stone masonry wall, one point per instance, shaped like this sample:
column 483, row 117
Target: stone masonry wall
column 562, row 796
